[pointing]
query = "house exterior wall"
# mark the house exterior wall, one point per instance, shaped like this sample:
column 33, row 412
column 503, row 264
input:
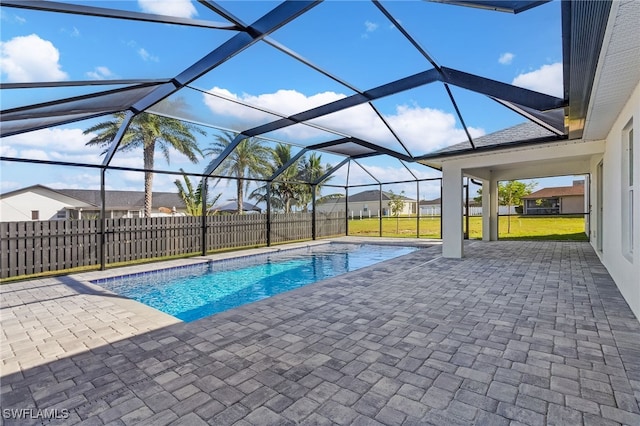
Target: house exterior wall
column 623, row 268
column 52, row 205
column 18, row 207
column 571, row 204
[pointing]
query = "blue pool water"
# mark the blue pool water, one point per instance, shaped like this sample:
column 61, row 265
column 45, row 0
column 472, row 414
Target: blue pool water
column 196, row 291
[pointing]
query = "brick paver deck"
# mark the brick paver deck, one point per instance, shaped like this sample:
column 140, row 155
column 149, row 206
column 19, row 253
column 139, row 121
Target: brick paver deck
column 515, row 333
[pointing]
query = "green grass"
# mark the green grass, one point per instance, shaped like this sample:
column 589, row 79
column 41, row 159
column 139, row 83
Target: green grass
column 570, row 228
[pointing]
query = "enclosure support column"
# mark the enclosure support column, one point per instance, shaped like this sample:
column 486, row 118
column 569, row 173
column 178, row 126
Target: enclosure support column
column 268, row 214
column 346, row 209
column 487, row 213
column 495, row 209
column 205, row 187
column 466, row 209
column 314, row 230
column 417, row 209
column 452, row 236
column 441, row 207
column 380, row 212
column 103, row 222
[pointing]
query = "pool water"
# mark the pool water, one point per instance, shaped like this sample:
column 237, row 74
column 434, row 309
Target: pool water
column 197, row 291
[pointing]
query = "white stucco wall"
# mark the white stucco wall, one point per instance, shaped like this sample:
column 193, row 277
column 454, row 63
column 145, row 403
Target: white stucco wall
column 18, row 207
column 624, row 271
column 572, row 204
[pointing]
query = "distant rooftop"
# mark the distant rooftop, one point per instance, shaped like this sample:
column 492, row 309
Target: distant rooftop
column 558, row 191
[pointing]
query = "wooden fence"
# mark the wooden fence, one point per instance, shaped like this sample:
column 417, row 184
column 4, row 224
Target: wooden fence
column 33, row 247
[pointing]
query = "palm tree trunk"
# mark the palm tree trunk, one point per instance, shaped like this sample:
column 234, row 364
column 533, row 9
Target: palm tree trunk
column 239, row 195
column 148, row 151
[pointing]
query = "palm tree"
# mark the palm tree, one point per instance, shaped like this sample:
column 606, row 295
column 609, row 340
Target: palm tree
column 192, row 197
column 310, row 170
column 149, row 131
column 284, row 190
column 250, row 159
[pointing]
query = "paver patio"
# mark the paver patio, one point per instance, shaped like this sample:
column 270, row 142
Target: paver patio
column 515, row 333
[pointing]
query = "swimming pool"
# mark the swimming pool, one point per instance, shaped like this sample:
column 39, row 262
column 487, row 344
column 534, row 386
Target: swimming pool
column 197, row 291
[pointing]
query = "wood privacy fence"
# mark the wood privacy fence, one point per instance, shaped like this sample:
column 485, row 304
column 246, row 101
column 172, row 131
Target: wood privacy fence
column 33, row 247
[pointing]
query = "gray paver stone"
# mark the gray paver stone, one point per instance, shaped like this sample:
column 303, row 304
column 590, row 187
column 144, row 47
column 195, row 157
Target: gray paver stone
column 562, row 416
column 264, row 416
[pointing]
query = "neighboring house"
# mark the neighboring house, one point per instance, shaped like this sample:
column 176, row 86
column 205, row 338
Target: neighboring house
column 430, row 207
column 556, row 200
column 39, row 202
column 367, row 204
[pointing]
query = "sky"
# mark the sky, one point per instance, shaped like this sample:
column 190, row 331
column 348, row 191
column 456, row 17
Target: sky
column 352, row 40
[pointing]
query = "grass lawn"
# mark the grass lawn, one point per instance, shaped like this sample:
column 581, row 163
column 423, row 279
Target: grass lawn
column 522, row 227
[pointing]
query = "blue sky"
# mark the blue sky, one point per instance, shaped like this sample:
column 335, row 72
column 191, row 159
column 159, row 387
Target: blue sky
column 350, row 39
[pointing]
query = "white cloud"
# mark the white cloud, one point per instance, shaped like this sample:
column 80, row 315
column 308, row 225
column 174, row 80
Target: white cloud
column 506, row 58
column 30, row 59
column 54, row 144
column 5, row 16
column 35, row 154
column 421, row 129
column 73, row 32
column 546, row 79
column 70, row 140
column 370, row 26
column 146, row 56
column 285, row 102
column 8, row 151
column 177, row 8
column 425, row 129
column 100, row 73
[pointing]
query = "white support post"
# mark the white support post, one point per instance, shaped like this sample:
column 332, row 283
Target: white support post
column 495, row 206
column 487, row 212
column 452, row 236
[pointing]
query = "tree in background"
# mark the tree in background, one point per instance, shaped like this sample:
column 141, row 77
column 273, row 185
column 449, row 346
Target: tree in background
column 149, row 131
column 249, row 160
column 192, row 197
column 291, row 189
column 396, row 205
column 285, row 189
column 311, row 169
column 510, row 193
